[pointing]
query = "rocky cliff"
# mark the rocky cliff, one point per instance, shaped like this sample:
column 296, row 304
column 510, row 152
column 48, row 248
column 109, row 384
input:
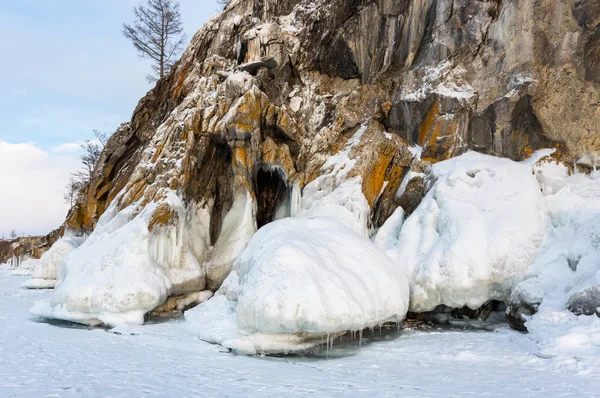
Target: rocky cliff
column 15, row 251
column 332, row 107
column 285, row 84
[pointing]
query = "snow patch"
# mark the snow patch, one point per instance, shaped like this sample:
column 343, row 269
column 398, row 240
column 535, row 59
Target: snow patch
column 335, row 196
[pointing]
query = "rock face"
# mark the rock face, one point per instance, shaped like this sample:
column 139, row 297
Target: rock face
column 285, row 84
column 15, row 252
column 270, row 90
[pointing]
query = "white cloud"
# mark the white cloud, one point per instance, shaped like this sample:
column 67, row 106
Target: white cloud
column 32, row 184
column 68, row 147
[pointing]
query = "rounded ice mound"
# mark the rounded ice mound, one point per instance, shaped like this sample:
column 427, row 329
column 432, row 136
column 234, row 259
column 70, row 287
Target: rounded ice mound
column 475, row 234
column 314, row 275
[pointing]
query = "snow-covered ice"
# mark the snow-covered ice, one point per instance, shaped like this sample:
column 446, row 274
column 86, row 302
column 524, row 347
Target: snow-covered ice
column 336, row 196
column 305, row 277
column 566, row 271
column 123, row 270
column 162, row 360
column 475, row 234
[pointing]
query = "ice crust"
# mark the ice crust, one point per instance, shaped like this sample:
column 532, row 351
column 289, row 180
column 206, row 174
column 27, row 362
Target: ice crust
column 122, row 271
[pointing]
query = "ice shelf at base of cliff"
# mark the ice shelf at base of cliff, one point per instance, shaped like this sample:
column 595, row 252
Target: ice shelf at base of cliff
column 488, row 229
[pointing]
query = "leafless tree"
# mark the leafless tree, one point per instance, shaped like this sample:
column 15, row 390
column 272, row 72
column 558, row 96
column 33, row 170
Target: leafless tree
column 74, row 187
column 223, row 3
column 92, row 149
column 13, row 234
column 157, row 34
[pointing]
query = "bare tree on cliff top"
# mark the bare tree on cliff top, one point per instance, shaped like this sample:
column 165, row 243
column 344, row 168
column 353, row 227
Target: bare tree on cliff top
column 157, row 33
column 92, row 149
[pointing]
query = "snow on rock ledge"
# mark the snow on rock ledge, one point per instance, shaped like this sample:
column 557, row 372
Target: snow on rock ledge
column 475, row 234
column 300, row 278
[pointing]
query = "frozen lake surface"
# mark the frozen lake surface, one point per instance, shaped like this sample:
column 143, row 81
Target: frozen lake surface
column 40, row 359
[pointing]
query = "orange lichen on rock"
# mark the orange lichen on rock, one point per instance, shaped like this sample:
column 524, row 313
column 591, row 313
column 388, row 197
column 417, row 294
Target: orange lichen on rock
column 373, row 180
column 438, row 134
column 279, row 155
column 241, row 158
column 178, row 90
column 163, row 215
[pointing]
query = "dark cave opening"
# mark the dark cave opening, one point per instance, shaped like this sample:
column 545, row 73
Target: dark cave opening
column 272, row 194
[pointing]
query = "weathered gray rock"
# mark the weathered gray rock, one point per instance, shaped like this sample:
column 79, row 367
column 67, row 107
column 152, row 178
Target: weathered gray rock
column 586, row 302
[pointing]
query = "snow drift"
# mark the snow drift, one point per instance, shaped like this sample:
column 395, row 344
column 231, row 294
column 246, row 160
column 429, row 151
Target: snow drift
column 300, row 278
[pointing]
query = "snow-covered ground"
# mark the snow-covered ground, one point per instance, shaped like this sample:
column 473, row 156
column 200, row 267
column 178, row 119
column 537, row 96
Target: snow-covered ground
column 39, row 359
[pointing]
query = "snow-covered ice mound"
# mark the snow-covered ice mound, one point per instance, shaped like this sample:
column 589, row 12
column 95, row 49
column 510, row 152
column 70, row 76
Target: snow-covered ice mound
column 123, row 270
column 299, row 279
column 46, row 268
column 566, row 273
column 475, row 234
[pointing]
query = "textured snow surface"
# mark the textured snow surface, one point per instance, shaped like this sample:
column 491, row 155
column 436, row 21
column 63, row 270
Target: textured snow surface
column 474, row 235
column 314, row 275
column 162, row 360
column 304, row 275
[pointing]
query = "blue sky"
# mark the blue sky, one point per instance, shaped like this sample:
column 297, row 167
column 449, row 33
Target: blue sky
column 67, row 70
column 70, row 68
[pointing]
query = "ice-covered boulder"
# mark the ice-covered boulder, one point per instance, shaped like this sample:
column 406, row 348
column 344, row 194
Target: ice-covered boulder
column 475, row 234
column 128, row 266
column 298, row 279
column 46, row 269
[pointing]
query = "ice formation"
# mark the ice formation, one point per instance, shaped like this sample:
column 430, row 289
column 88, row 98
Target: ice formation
column 475, row 234
column 565, row 279
column 46, row 268
column 298, row 279
column 124, row 270
column 336, row 196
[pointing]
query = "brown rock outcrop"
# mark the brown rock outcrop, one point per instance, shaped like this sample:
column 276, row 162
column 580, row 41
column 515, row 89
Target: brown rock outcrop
column 15, row 251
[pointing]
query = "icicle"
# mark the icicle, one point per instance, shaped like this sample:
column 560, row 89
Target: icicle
column 327, row 345
column 360, row 339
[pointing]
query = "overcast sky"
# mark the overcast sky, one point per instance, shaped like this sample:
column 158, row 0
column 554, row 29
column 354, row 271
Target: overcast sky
column 67, row 70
